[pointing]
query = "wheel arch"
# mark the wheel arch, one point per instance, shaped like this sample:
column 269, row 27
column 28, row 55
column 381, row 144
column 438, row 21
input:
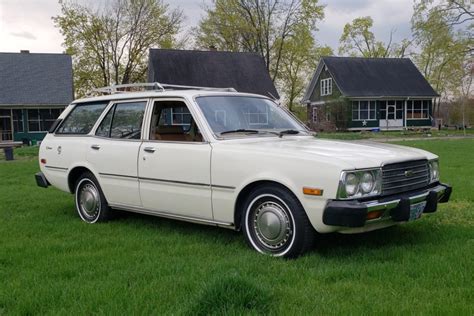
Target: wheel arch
column 74, row 174
column 245, row 191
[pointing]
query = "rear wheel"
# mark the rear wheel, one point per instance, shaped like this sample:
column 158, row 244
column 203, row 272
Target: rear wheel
column 275, row 223
column 91, row 204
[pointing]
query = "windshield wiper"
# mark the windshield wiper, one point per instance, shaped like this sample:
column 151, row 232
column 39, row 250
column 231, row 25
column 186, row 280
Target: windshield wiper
column 240, row 130
column 288, row 132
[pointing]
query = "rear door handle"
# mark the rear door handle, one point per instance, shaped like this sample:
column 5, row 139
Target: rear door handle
column 149, row 149
column 95, row 147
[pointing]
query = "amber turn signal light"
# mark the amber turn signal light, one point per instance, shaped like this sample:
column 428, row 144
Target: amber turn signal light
column 312, row 191
column 374, row 214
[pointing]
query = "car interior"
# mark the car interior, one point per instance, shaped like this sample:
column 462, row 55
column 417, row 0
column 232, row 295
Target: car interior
column 172, row 121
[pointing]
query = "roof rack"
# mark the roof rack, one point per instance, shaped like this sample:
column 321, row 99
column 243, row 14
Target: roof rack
column 154, row 86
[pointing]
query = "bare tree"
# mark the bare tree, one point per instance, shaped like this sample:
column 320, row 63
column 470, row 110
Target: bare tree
column 109, row 44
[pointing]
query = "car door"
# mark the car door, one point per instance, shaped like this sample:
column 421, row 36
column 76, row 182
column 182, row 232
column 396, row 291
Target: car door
column 174, row 163
column 113, row 152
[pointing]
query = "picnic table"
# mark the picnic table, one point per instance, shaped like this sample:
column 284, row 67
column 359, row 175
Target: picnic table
column 8, row 148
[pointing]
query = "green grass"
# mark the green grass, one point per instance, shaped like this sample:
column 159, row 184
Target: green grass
column 52, row 263
column 395, row 134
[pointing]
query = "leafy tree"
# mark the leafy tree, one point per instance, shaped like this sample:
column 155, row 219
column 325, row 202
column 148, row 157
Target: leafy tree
column 109, row 44
column 300, row 55
column 444, row 49
column 357, row 39
column 261, row 26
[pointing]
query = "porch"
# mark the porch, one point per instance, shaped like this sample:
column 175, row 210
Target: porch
column 390, row 114
column 26, row 124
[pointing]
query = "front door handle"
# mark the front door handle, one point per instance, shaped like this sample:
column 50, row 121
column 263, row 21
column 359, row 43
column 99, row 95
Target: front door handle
column 149, row 149
column 95, row 147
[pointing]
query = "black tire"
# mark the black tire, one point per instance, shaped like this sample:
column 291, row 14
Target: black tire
column 90, row 201
column 275, row 223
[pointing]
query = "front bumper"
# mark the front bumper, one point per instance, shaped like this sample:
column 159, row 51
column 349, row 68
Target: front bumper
column 396, row 208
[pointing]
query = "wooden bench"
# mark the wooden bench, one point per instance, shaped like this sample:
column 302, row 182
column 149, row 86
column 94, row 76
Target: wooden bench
column 8, row 148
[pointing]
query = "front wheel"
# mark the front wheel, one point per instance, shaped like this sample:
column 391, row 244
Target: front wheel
column 275, row 223
column 91, row 204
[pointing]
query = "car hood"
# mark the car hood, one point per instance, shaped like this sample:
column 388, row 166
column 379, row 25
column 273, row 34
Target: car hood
column 355, row 154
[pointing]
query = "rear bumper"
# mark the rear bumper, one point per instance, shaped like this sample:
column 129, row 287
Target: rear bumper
column 41, row 180
column 396, row 208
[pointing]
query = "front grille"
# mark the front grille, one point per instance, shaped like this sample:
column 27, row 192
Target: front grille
column 405, row 176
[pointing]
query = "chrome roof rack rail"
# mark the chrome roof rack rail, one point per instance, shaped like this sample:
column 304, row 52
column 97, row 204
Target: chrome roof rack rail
column 154, row 86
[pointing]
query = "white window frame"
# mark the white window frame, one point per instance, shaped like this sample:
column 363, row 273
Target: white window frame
column 18, row 121
column 326, row 86
column 182, row 118
column 39, row 120
column 216, row 116
column 371, row 105
column 425, row 108
column 258, row 115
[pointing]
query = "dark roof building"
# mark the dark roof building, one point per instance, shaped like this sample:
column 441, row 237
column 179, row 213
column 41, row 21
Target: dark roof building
column 34, row 89
column 35, row 79
column 381, row 93
column 245, row 72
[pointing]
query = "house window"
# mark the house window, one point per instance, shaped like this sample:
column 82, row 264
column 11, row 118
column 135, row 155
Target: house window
column 180, row 116
column 314, row 114
column 40, row 120
column 18, row 121
column 363, row 110
column 257, row 115
column 326, row 86
column 418, row 109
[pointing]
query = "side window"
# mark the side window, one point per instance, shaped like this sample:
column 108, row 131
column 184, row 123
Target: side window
column 124, row 120
column 172, row 121
column 82, row 118
column 104, row 128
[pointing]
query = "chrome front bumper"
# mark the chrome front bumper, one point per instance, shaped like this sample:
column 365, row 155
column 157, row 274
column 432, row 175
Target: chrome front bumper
column 396, row 208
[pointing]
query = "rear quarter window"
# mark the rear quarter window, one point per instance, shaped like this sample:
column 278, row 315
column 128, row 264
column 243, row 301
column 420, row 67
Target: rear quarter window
column 82, row 118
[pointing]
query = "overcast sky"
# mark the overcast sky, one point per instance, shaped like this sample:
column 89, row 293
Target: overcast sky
column 27, row 24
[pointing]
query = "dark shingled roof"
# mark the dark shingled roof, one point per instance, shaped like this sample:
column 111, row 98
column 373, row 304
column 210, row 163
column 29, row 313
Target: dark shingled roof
column 377, row 77
column 246, row 72
column 35, row 79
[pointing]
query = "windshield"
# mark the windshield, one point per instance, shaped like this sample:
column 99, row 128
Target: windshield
column 229, row 115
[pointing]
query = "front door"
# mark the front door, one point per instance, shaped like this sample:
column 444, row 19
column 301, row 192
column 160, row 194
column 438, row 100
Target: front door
column 391, row 115
column 174, row 163
column 6, row 133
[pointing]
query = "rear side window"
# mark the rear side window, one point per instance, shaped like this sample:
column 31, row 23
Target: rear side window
column 124, row 120
column 82, row 118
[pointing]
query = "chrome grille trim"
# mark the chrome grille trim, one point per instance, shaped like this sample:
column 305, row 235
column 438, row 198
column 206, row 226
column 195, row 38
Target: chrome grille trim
column 395, row 180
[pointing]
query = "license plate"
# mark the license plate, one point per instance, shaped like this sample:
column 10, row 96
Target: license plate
column 416, row 210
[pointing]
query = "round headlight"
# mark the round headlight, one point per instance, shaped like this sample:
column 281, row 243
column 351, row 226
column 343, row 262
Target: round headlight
column 352, row 184
column 434, row 170
column 367, row 182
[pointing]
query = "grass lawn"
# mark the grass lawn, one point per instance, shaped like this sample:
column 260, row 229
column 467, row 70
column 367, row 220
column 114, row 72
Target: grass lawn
column 395, row 134
column 53, row 263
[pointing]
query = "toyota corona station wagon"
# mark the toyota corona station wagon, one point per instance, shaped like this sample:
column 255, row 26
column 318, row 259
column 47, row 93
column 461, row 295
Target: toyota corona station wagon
column 235, row 160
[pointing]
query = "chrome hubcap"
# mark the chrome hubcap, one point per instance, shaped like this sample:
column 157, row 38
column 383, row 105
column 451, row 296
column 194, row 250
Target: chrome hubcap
column 89, row 200
column 272, row 225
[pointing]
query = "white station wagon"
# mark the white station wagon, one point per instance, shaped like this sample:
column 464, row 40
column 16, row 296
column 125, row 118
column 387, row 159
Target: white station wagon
column 235, row 160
